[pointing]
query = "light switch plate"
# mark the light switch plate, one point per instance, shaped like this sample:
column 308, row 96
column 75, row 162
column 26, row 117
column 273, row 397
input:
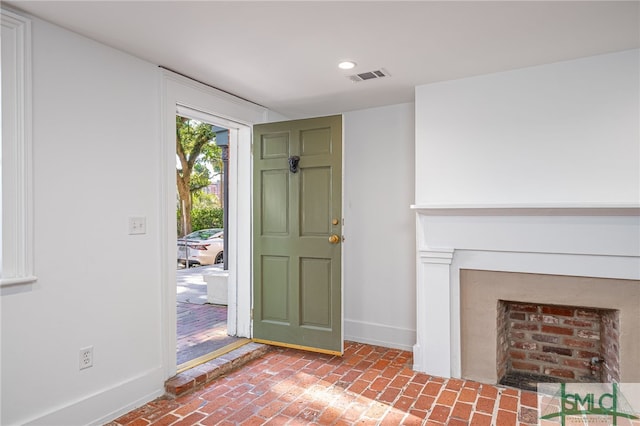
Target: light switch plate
column 137, row 225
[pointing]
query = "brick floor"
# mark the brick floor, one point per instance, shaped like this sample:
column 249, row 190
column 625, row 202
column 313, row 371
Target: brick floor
column 369, row 385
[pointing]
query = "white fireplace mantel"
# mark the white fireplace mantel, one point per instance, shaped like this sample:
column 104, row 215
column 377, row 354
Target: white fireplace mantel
column 591, row 240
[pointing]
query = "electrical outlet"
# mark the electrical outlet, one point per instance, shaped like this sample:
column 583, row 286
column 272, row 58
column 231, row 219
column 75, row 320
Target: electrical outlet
column 86, row 357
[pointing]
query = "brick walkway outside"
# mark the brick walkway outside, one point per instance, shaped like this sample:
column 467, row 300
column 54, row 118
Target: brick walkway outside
column 369, row 385
column 201, row 329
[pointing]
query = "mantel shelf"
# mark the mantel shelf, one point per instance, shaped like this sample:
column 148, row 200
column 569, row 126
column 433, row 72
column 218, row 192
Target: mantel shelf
column 593, row 209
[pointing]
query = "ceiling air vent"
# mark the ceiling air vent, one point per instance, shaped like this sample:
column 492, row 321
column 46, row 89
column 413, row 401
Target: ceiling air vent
column 371, row 75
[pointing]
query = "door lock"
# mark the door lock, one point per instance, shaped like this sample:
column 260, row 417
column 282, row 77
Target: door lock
column 334, row 239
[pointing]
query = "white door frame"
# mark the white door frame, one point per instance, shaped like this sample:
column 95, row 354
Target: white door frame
column 238, row 116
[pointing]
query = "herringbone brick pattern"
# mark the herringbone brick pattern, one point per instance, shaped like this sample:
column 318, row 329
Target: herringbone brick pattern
column 369, row 385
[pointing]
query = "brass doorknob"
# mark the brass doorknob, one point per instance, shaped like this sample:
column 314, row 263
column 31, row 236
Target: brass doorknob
column 334, row 239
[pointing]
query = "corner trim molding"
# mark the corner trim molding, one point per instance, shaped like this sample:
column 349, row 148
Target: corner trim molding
column 16, row 256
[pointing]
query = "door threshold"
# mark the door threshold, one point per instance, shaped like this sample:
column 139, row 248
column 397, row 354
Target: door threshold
column 211, row 355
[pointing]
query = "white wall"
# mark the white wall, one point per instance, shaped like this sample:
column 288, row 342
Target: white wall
column 379, row 228
column 96, row 162
column 563, row 133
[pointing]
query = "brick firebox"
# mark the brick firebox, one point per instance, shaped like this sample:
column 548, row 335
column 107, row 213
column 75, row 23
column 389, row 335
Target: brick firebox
column 552, row 343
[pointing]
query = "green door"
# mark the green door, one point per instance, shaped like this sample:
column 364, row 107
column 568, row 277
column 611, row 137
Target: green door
column 297, row 224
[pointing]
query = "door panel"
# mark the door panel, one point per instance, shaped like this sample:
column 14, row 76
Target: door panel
column 315, row 201
column 315, row 287
column 297, row 270
column 275, row 288
column 275, row 199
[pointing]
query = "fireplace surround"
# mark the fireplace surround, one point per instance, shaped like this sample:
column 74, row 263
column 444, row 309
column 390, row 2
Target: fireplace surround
column 469, row 257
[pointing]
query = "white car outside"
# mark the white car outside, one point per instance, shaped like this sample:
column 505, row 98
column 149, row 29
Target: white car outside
column 203, row 247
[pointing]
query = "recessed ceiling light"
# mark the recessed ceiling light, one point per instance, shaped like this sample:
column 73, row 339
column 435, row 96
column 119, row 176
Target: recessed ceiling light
column 346, row 65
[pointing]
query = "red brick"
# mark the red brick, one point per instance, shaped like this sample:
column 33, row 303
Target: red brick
column 190, row 420
column 472, row 385
column 412, row 390
column 358, row 386
column 558, row 372
column 506, row 418
column 191, row 406
column 510, row 392
column 380, row 365
column 369, row 375
column 424, row 402
column 468, row 395
column 391, row 372
column 272, row 408
column 253, row 421
column 380, row 384
column 575, row 343
column 587, row 313
column 489, row 391
column 399, row 382
column 440, row 413
column 578, row 323
column 523, row 307
column 447, row 398
column 556, row 350
column 166, row 420
column 558, row 310
column 421, row 414
column 485, row 405
column 480, row 419
column 462, row 411
column 543, row 357
column 524, row 326
column 508, row 403
column 530, row 399
column 587, row 354
column 518, row 316
column 420, row 378
column 557, row 330
column 454, row 384
column 519, row 365
column 389, row 395
column 350, row 376
column 243, row 414
column 526, row 346
column 403, row 403
column 517, row 355
column 432, row 389
column 576, row 363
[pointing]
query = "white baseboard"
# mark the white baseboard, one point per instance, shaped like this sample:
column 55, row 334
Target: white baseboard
column 379, row 334
column 106, row 405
